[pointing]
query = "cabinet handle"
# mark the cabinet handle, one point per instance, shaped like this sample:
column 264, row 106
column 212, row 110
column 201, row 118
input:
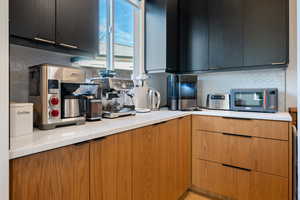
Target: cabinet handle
column 240, row 168
column 236, row 118
column 67, row 45
column 279, row 63
column 237, row 135
column 99, row 139
column 81, row 143
column 160, row 123
column 44, row 40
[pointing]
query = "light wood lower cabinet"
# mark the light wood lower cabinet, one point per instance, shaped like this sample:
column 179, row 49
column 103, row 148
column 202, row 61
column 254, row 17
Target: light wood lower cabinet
column 259, row 154
column 60, row 174
column 158, row 171
column 237, row 183
column 184, row 152
column 111, row 168
column 222, row 180
column 242, row 159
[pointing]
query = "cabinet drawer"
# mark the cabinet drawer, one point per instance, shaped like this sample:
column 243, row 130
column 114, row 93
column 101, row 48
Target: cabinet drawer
column 271, row 156
column 264, row 155
column 221, row 180
column 265, row 186
column 258, row 128
column 236, row 183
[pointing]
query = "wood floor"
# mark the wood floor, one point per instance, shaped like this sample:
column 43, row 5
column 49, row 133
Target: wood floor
column 193, row 196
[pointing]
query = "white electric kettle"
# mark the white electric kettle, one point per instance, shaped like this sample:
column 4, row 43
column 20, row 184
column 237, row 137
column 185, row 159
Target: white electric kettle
column 146, row 99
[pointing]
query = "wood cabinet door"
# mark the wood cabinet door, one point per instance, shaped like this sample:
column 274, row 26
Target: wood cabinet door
column 77, row 24
column 145, row 152
column 225, row 33
column 265, row 32
column 222, row 180
column 60, row 174
column 32, row 19
column 265, row 186
column 168, row 135
column 184, row 155
column 111, row 168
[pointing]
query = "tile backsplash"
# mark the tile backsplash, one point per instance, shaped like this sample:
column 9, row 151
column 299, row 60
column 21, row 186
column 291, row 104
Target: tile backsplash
column 222, row 82
column 21, row 58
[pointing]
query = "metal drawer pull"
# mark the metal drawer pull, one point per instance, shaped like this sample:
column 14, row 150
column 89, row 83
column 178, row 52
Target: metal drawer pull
column 81, row 143
column 99, row 139
column 160, row 123
column 236, row 118
column 237, row 135
column 44, row 40
column 279, row 63
column 69, row 46
column 240, row 168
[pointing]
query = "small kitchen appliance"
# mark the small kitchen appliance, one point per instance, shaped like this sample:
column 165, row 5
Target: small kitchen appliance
column 93, row 108
column 153, row 99
column 21, row 119
column 182, row 92
column 116, row 98
column 218, row 101
column 57, row 93
column 255, row 100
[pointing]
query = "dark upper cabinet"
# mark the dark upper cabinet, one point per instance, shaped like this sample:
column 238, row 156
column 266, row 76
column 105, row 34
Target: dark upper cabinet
column 266, row 32
column 193, row 35
column 225, row 33
column 33, row 19
column 77, row 24
column 64, row 24
column 161, row 48
column 232, row 34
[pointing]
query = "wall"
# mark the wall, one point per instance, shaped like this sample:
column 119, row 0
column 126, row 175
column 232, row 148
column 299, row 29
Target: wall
column 21, row 58
column 4, row 164
column 222, row 82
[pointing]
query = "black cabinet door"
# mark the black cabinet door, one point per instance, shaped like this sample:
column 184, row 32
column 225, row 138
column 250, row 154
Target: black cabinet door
column 193, row 35
column 77, row 24
column 266, row 32
column 225, row 33
column 33, row 19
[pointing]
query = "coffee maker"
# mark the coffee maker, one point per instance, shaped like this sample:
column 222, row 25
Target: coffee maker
column 58, row 95
column 116, row 97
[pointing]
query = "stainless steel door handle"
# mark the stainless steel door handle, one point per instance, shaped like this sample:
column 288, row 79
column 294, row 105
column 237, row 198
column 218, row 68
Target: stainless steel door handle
column 44, row 40
column 68, row 45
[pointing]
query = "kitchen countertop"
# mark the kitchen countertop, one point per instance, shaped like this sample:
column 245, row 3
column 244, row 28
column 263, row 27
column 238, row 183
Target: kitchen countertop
column 41, row 141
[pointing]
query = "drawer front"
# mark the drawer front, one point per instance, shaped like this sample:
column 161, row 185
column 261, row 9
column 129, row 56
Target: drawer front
column 223, row 148
column 258, row 128
column 271, row 156
column 236, row 183
column 263, row 155
column 207, row 146
column 265, row 186
column 221, row 180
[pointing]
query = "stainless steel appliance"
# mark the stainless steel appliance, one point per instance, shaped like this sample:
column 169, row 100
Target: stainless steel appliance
column 154, row 99
column 56, row 92
column 93, row 108
column 218, row 101
column 182, row 90
column 255, row 100
column 116, row 98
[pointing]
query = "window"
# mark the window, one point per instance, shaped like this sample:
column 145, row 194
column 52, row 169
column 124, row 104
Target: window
column 123, row 33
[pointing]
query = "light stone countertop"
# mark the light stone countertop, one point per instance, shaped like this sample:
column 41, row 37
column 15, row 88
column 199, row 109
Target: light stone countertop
column 41, row 141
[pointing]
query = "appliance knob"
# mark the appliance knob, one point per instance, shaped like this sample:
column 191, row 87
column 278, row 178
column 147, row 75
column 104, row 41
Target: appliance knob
column 55, row 113
column 54, row 101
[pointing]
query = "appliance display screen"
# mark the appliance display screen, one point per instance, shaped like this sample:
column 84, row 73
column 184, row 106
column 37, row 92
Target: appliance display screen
column 188, row 90
column 249, row 99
